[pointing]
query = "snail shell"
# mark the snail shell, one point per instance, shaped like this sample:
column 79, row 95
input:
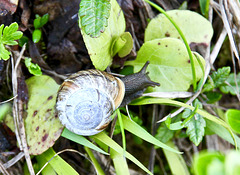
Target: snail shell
column 87, row 99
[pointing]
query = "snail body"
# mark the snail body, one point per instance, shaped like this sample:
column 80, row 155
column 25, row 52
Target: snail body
column 87, row 99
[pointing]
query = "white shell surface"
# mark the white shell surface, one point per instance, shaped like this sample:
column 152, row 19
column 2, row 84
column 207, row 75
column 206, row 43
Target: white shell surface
column 87, row 99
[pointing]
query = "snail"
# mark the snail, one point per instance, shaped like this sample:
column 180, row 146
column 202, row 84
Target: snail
column 87, row 99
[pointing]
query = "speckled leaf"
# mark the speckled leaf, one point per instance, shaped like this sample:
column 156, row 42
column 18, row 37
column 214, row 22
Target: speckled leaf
column 42, row 125
column 94, row 16
column 195, row 27
column 99, row 49
column 169, row 64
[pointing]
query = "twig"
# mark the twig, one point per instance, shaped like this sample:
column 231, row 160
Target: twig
column 13, row 160
column 8, row 100
column 18, row 113
column 227, row 27
column 3, row 169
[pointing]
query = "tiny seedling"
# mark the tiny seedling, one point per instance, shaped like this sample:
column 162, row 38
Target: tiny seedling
column 8, row 35
column 38, row 23
column 33, row 68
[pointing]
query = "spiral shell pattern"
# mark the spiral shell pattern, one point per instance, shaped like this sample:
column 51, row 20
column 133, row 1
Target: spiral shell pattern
column 87, row 99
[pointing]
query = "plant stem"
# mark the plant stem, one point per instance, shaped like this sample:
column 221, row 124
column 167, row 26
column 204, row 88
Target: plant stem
column 183, row 38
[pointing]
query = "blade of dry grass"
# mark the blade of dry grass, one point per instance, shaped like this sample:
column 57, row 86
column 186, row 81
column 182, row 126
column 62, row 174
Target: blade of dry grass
column 18, row 111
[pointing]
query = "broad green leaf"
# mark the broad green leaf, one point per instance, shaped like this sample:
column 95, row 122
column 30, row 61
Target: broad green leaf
column 232, row 164
column 33, row 68
column 169, row 64
column 57, row 163
column 137, row 130
column 204, row 160
column 175, row 161
column 94, row 16
column 232, row 89
column 196, row 28
column 102, row 137
column 81, row 140
column 42, row 125
column 36, row 35
column 217, row 79
column 233, row 119
column 204, row 6
column 99, row 49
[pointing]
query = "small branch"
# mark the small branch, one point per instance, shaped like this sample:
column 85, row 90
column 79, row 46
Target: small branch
column 18, row 112
column 13, row 160
column 3, row 169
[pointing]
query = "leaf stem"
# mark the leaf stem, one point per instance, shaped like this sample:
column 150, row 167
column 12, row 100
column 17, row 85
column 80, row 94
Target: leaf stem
column 183, row 38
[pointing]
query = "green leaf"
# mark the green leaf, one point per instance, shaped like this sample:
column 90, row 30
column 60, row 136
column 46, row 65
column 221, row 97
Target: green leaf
column 99, row 49
column 42, row 126
column 122, row 45
column 164, row 134
column 4, row 53
column 10, row 34
column 33, row 68
column 224, row 127
column 203, row 162
column 102, row 137
column 7, row 37
column 204, row 6
column 81, row 140
column 120, row 163
column 213, row 97
column 233, row 119
column 57, row 163
column 44, row 19
column 48, row 170
column 195, row 125
column 232, row 164
column 22, row 41
column 179, row 166
column 94, row 161
column 94, row 16
column 137, row 130
column 232, row 89
column 37, row 22
column 169, row 64
column 217, row 79
column 36, row 35
column 4, row 109
column 222, row 132
column 196, row 28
